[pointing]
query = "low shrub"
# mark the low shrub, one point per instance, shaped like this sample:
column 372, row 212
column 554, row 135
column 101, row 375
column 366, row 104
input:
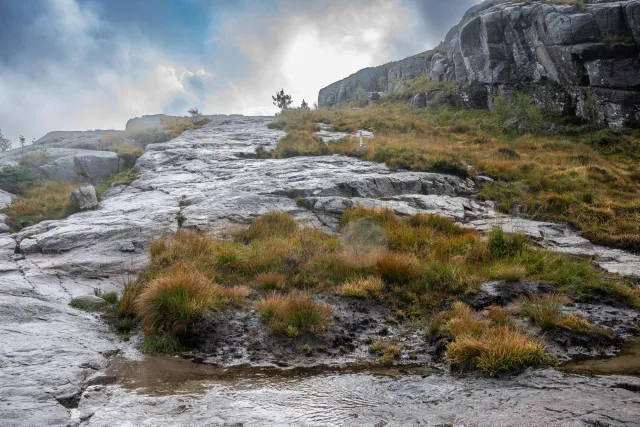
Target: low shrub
column 84, row 305
column 17, row 179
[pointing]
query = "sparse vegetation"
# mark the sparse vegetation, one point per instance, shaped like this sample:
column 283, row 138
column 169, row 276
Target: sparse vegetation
column 576, row 175
column 47, row 200
column 415, row 265
column 544, row 310
column 170, row 128
column 387, row 350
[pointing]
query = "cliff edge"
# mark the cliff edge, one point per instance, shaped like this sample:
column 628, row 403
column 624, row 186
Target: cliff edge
column 567, row 57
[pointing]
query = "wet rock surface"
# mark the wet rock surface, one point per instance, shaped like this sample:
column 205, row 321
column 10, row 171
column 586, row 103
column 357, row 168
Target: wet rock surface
column 52, row 352
column 358, row 398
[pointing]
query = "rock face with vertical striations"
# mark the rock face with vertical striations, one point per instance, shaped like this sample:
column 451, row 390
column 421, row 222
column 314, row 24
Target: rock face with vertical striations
column 565, row 56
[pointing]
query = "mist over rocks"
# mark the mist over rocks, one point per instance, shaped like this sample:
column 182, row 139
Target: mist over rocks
column 565, row 56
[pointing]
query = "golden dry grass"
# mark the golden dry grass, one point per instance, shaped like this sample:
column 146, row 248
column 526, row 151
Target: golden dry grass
column 172, row 302
column 361, row 287
column 43, row 202
column 498, row 349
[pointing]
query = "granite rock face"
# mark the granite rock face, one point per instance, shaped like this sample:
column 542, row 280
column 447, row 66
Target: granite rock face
column 68, row 164
column 567, row 57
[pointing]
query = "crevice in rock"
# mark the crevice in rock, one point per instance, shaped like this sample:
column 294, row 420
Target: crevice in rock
column 628, row 386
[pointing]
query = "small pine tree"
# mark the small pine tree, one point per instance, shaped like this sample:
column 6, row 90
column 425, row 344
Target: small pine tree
column 304, row 105
column 195, row 115
column 282, row 101
column 5, row 144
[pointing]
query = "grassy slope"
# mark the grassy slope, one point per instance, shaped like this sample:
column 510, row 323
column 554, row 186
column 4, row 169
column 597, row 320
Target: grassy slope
column 583, row 176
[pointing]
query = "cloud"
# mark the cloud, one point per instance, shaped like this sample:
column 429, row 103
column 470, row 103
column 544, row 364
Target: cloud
column 90, row 75
column 85, row 64
column 303, row 46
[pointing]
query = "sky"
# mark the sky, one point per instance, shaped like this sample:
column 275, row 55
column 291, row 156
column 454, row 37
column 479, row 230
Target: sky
column 93, row 64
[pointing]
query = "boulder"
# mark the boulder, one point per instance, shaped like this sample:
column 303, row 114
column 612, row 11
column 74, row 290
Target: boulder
column 5, row 199
column 419, row 100
column 96, row 165
column 84, row 197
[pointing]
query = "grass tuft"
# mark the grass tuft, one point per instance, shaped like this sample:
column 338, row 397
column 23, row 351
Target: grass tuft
column 362, row 287
column 295, row 313
column 273, row 224
column 497, row 350
column 171, row 303
column 544, row 310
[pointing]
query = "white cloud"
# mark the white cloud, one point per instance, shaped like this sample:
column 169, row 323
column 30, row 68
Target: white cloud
column 100, row 82
column 303, row 47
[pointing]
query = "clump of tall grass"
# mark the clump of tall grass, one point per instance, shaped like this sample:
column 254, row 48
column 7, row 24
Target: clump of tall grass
column 171, row 303
column 273, row 224
column 499, row 349
column 294, row 313
column 544, row 310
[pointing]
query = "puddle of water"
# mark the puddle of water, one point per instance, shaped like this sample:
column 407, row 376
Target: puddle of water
column 165, row 375
column 625, row 363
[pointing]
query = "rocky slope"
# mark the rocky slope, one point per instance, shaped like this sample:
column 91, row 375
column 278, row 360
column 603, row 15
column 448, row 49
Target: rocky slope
column 569, row 58
column 53, row 358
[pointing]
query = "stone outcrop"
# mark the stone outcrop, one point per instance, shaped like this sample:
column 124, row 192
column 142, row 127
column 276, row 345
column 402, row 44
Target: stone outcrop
column 69, row 164
column 5, row 200
column 84, row 197
column 568, row 57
